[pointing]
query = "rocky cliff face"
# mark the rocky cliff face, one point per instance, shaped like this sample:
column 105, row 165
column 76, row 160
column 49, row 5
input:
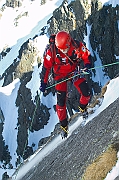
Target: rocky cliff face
column 13, row 3
column 22, row 68
column 104, row 38
column 104, row 35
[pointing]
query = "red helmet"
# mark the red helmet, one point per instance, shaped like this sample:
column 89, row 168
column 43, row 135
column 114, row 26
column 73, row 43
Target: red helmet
column 62, row 40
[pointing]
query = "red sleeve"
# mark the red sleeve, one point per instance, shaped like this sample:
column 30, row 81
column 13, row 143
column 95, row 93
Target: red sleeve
column 47, row 65
column 83, row 53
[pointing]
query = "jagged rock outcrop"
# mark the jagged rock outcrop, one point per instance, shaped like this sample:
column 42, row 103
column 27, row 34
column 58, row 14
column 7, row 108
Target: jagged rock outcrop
column 70, row 18
column 104, row 37
column 22, row 68
column 4, row 151
column 22, row 64
column 13, row 3
column 1, row 116
column 26, row 106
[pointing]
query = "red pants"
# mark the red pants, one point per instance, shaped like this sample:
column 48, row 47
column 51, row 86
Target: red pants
column 82, row 87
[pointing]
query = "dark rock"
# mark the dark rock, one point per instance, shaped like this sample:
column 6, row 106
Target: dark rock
column 13, row 3
column 117, row 178
column 69, row 160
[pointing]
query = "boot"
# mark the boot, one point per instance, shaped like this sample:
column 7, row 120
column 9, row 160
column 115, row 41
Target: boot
column 64, row 132
column 84, row 112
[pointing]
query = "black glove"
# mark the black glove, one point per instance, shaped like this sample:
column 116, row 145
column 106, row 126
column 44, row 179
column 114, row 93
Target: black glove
column 43, row 86
column 86, row 69
column 88, row 66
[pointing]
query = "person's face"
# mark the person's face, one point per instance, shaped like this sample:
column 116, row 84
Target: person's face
column 64, row 50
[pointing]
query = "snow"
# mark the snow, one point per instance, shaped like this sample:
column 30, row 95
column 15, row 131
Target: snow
column 99, row 71
column 113, row 87
column 113, row 2
column 14, row 36
column 8, row 96
column 100, row 77
column 35, row 21
column 34, row 137
column 87, row 39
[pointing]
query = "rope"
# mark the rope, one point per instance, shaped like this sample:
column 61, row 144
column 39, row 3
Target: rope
column 66, row 79
column 106, row 65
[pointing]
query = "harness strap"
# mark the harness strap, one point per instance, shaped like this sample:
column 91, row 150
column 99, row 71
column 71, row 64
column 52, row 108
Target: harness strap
column 53, row 51
column 67, row 78
column 68, row 58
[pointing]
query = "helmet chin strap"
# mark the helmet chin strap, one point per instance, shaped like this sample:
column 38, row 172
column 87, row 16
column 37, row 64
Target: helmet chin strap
column 67, row 56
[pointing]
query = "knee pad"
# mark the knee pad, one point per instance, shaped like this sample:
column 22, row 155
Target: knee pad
column 84, row 88
column 61, row 112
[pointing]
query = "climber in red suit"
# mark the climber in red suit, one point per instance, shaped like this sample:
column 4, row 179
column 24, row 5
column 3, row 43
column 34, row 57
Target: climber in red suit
column 65, row 60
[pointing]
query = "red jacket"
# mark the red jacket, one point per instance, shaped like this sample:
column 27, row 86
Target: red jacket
column 63, row 64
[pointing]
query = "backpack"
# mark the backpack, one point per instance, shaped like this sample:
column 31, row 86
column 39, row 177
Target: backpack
column 53, row 50
column 52, row 39
column 51, row 46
